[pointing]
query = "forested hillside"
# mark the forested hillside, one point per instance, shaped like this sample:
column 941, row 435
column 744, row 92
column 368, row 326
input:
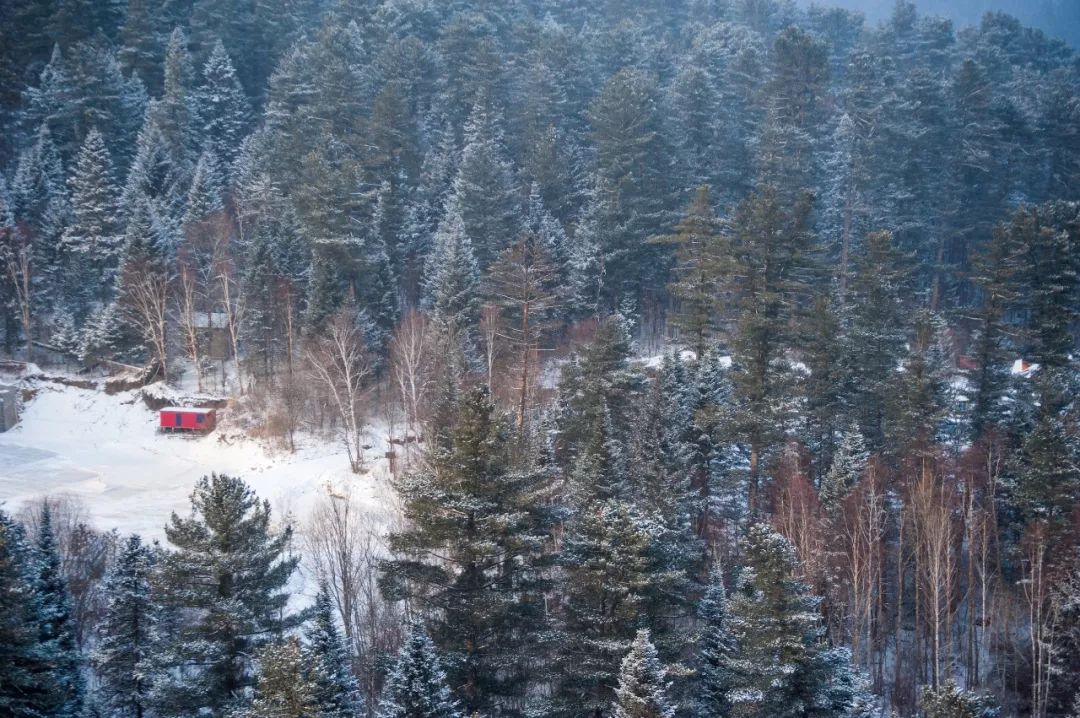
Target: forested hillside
column 728, row 347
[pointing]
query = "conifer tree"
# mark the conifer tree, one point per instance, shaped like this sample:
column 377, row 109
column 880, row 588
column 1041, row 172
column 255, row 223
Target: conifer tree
column 52, row 104
column 484, row 190
column 283, row 688
column 226, row 582
column 416, row 686
column 696, row 240
column 94, row 237
column 452, row 274
column 204, row 198
column 606, row 574
column 630, row 165
column 642, row 692
column 767, row 273
column 176, row 107
column 57, row 629
column 717, row 651
column 487, row 519
column 846, row 470
column 334, row 690
column 996, row 276
column 126, row 632
column 221, row 107
column 784, row 667
column 876, row 335
column 27, row 685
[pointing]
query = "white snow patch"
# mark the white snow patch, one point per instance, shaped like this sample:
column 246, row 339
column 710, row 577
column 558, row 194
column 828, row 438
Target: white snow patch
column 106, row 451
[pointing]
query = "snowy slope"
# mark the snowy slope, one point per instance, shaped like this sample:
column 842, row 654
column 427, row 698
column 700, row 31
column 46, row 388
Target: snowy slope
column 106, row 451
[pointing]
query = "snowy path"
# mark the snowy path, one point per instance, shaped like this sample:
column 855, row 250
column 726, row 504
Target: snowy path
column 106, row 451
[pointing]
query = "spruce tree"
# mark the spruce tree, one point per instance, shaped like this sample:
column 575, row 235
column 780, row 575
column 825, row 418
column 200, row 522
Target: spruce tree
column 225, row 581
column 995, row 274
column 94, row 237
column 126, row 632
column 334, row 690
column 784, row 667
column 487, row 518
column 416, row 686
column 27, row 685
column 485, row 191
column 604, row 582
column 767, row 273
column 205, row 197
column 221, row 108
column 876, row 333
column 630, row 164
column 57, row 630
column 717, row 651
column 642, row 692
column 452, row 275
column 847, row 468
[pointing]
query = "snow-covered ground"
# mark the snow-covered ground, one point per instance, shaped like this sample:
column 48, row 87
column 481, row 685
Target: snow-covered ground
column 106, row 451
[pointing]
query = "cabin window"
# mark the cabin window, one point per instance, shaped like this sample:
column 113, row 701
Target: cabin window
column 176, row 419
column 199, row 418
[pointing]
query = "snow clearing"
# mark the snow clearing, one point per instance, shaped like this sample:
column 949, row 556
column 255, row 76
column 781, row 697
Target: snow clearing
column 107, row 452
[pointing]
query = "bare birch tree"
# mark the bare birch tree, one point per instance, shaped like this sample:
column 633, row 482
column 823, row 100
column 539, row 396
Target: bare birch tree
column 144, row 299
column 345, row 548
column 339, row 362
column 408, row 366
column 16, row 256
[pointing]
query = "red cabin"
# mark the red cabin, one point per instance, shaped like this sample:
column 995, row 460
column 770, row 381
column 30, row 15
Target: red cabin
column 187, row 419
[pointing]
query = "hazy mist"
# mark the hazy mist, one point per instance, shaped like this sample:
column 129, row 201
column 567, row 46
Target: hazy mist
column 1057, row 18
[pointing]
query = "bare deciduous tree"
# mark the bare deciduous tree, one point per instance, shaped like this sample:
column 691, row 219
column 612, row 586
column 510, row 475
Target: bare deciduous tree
column 338, row 360
column 345, row 547
column 16, row 256
column 144, row 300
column 408, row 368
column 523, row 283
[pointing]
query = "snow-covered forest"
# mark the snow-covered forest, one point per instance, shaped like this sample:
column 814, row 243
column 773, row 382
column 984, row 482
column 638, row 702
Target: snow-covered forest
column 720, row 357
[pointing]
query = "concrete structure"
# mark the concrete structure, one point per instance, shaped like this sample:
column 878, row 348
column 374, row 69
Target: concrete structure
column 9, row 406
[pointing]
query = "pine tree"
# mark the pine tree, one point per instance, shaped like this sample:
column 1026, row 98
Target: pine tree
column 717, row 651
column 225, row 580
column 94, row 237
column 159, row 171
column 630, row 163
column 767, row 273
column 876, row 333
column 283, row 689
column 996, row 276
column 27, row 684
column 488, row 519
column 642, row 691
column 125, row 633
column 57, row 629
column 696, row 240
column 416, row 686
column 334, row 690
column 221, row 108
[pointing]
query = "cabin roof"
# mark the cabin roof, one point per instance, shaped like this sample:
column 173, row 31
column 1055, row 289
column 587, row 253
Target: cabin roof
column 188, row 409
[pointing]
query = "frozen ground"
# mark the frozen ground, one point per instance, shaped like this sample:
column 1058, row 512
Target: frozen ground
column 106, row 451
